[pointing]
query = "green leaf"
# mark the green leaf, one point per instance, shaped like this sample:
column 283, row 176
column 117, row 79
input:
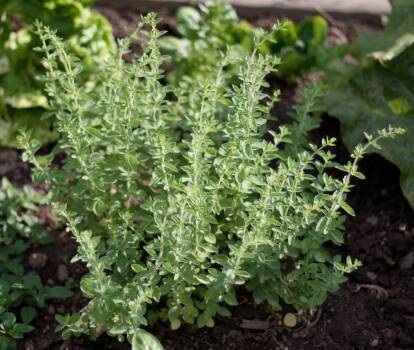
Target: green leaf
column 28, row 100
column 32, row 281
column 378, row 91
column 142, row 340
column 203, row 279
column 119, row 329
column 322, row 255
column 7, row 343
column 15, row 268
column 210, row 238
column 174, row 47
column 398, row 47
column 138, row 268
column 4, row 287
column 230, row 298
column 28, row 313
column 8, row 319
column 174, row 313
column 187, row 21
column 58, row 292
column 337, row 237
column 359, row 175
column 21, row 328
column 345, row 206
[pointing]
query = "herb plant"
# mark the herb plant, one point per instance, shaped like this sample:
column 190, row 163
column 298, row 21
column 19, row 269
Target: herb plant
column 20, row 292
column 206, row 32
column 22, row 99
column 378, row 89
column 175, row 198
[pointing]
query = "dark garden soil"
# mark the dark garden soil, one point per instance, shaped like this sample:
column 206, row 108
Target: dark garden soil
column 374, row 309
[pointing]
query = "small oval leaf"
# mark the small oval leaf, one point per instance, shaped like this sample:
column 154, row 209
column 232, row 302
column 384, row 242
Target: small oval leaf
column 142, row 340
column 345, row 206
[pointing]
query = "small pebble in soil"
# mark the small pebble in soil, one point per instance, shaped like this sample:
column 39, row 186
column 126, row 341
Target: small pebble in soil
column 374, row 343
column 402, row 227
column 63, row 237
column 289, row 320
column 371, row 275
column 372, row 220
column 29, row 345
column 62, row 272
column 407, row 261
column 68, row 346
column 37, row 260
column 51, row 310
column 61, row 309
column 235, row 334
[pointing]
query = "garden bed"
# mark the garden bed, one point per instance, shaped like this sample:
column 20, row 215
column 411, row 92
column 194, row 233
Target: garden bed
column 374, row 309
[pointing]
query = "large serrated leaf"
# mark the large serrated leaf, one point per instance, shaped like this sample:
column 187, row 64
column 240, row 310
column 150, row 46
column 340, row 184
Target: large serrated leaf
column 378, row 91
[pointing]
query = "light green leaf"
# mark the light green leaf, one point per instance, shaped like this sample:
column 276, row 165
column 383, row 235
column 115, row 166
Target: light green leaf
column 187, row 19
column 345, row 206
column 142, row 340
column 399, row 46
column 4, row 65
column 27, row 100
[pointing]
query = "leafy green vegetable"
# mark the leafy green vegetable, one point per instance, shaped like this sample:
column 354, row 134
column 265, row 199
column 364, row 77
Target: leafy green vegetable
column 172, row 199
column 299, row 45
column 19, row 290
column 204, row 33
column 378, row 89
column 22, row 99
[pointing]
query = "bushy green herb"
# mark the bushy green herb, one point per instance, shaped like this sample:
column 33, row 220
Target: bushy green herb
column 22, row 99
column 20, row 292
column 377, row 89
column 172, row 199
column 206, row 32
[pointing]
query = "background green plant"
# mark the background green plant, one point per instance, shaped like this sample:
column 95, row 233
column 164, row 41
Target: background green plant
column 21, row 293
column 22, row 99
column 206, row 32
column 377, row 89
column 172, row 199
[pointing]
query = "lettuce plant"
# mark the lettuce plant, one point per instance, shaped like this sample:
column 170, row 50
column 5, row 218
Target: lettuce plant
column 175, row 198
column 377, row 89
column 21, row 293
column 205, row 32
column 22, row 99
